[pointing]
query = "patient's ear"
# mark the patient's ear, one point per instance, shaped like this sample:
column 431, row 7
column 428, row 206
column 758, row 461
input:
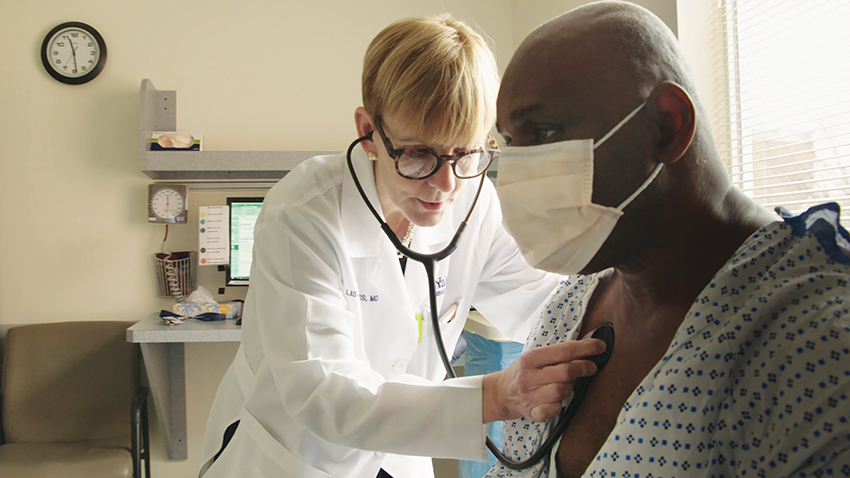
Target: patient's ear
column 670, row 108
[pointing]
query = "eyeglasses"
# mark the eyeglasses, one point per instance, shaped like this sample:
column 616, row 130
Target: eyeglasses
column 422, row 163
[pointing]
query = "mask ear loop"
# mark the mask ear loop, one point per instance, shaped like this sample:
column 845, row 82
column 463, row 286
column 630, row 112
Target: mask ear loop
column 619, row 125
column 651, row 177
column 642, row 187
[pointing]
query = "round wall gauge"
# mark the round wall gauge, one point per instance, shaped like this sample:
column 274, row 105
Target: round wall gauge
column 167, row 203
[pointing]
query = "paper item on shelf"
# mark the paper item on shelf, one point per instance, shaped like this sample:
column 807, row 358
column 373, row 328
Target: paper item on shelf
column 176, row 141
column 230, row 310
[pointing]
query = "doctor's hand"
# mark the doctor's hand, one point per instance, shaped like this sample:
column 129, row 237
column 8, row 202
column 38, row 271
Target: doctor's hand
column 536, row 383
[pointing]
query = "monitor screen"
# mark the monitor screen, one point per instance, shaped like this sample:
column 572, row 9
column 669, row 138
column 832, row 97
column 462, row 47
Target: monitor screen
column 243, row 217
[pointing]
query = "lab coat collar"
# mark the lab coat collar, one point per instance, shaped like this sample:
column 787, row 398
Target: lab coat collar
column 361, row 226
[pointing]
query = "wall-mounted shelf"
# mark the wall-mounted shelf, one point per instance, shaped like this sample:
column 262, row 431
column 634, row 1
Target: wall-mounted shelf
column 158, row 112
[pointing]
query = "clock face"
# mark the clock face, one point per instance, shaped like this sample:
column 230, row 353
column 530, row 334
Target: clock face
column 73, row 53
column 167, row 204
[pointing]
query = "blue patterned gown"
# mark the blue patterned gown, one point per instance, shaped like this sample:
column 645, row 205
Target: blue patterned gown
column 756, row 380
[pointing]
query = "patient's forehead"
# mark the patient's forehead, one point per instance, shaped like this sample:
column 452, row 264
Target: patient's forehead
column 562, row 82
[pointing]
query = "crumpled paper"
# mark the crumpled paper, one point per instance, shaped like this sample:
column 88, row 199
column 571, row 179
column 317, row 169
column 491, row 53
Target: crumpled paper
column 201, row 301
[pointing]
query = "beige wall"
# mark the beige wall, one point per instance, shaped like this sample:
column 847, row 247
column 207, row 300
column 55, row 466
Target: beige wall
column 259, row 75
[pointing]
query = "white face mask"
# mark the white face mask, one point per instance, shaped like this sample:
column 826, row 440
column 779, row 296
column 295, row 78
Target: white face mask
column 545, row 192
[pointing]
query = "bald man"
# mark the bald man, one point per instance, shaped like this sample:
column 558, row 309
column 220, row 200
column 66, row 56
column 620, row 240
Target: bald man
column 731, row 323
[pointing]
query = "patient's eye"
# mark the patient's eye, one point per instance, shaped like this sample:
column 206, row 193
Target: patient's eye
column 542, row 134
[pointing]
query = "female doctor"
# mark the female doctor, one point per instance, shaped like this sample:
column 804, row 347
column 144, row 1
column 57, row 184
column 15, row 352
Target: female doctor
column 338, row 374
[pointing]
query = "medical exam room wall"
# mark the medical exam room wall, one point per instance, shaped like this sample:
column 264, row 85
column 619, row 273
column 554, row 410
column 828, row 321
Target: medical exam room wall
column 255, row 75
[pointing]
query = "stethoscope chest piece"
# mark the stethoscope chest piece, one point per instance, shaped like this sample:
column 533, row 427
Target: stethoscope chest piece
column 605, row 333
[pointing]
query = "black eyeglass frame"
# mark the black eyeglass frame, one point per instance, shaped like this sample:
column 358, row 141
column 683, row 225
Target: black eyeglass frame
column 395, row 153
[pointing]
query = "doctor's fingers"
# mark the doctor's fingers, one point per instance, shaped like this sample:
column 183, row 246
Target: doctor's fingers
column 556, row 381
column 545, row 401
column 547, row 409
column 561, row 353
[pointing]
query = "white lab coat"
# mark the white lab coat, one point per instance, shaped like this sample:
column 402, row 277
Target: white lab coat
column 332, row 378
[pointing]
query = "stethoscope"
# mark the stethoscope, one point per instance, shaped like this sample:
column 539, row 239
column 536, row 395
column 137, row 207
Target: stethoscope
column 429, row 261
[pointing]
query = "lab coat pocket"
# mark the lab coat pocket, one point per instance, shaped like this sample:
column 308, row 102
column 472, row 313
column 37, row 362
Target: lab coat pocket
column 253, row 452
column 426, row 326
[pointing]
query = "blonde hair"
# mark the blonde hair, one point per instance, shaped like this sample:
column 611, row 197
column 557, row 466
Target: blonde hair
column 437, row 74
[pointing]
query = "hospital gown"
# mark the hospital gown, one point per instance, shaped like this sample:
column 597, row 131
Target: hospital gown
column 756, row 380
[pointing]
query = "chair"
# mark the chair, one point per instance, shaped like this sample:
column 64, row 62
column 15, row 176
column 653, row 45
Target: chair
column 67, row 391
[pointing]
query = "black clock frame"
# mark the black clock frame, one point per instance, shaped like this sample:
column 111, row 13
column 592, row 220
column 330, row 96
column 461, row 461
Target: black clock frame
column 45, row 58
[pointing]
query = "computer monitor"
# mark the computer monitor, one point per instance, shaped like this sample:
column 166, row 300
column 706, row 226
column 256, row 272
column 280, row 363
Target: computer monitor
column 243, row 217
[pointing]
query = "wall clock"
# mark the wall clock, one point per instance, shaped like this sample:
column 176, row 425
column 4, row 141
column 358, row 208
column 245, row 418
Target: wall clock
column 73, row 53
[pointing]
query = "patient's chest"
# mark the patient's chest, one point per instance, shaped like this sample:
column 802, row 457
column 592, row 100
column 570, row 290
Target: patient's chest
column 638, row 347
column 598, row 414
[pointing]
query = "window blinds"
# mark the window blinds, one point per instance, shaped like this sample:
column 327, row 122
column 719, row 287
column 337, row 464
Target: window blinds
column 784, row 82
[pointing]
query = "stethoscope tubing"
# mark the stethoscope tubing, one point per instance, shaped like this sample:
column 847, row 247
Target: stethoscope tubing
column 429, row 261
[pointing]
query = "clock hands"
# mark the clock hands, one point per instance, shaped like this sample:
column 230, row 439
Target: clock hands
column 74, row 51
